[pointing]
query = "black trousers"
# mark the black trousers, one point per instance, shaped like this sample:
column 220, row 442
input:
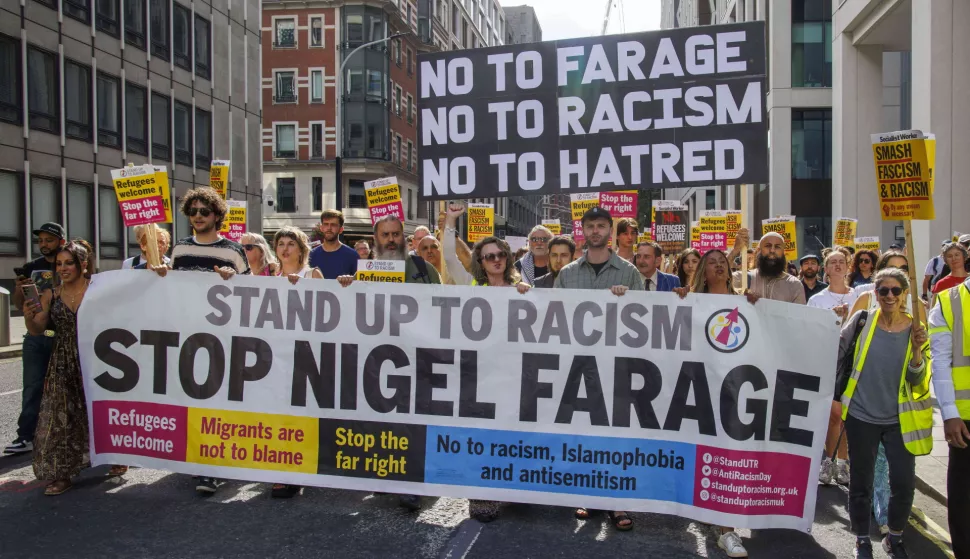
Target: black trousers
column 958, row 500
column 864, row 439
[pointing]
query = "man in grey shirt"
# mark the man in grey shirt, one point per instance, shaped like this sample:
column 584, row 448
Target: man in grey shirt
column 599, row 268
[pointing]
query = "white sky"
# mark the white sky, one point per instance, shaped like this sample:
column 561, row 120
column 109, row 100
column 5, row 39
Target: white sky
column 567, row 19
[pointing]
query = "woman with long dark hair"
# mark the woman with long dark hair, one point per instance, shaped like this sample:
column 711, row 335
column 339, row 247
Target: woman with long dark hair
column 863, row 268
column 61, row 440
column 686, row 264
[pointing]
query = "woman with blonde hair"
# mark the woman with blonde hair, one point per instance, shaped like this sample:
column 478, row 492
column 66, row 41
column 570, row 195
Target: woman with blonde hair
column 262, row 260
column 293, row 251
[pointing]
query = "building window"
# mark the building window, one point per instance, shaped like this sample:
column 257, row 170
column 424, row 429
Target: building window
column 316, row 86
column 355, row 28
column 10, row 84
column 109, row 111
column 811, row 144
column 285, row 34
column 285, row 87
column 77, row 9
column 410, row 62
column 182, row 37
column 202, row 58
column 811, row 52
column 397, row 52
column 410, row 109
column 410, row 147
column 316, row 139
column 285, row 195
column 77, row 105
column 136, row 118
column 318, row 194
column 106, row 16
column 316, row 31
column 80, row 210
column 109, row 223
column 285, row 141
column 357, row 198
column 161, row 127
column 159, row 23
column 397, row 101
column 203, row 139
column 11, row 214
column 45, row 202
column 135, row 23
column 375, row 85
column 710, row 200
column 410, row 204
column 42, row 90
column 183, row 133
column 397, row 151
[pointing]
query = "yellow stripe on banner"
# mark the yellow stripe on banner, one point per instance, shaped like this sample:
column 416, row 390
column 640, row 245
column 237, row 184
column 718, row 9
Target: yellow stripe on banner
column 933, row 531
column 253, row 440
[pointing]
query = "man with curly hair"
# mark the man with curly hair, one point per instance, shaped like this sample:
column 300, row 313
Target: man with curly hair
column 207, row 251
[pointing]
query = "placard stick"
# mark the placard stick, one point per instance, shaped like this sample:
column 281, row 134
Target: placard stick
column 744, row 246
column 915, row 301
column 443, row 272
column 152, row 239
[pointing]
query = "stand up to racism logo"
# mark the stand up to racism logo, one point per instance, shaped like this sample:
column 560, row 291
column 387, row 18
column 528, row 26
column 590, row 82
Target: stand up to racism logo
column 727, row 330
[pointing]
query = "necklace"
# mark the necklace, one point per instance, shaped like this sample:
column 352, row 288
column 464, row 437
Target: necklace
column 891, row 327
column 76, row 293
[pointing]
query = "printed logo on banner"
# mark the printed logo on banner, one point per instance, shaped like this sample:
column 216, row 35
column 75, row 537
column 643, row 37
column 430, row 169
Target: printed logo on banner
column 727, row 330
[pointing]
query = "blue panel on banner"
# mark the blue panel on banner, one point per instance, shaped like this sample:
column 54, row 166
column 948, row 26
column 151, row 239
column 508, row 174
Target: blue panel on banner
column 583, row 465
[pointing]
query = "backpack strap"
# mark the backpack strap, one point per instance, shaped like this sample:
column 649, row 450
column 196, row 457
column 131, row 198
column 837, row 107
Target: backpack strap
column 422, row 267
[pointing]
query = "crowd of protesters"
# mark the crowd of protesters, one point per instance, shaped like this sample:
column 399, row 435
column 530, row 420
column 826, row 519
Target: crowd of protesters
column 889, row 354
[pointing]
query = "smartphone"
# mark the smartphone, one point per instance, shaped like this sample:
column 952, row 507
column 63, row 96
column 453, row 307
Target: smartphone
column 31, row 295
column 20, row 272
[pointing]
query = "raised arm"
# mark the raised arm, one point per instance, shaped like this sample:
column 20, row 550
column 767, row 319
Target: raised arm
column 456, row 270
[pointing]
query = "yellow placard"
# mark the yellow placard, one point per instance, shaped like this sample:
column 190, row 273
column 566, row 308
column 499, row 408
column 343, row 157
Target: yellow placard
column 845, row 231
column 903, row 175
column 581, row 203
column 867, row 243
column 645, row 237
column 931, row 158
column 695, row 233
column 732, row 225
column 143, row 194
column 388, row 271
column 481, row 221
column 219, row 176
column 785, row 226
column 259, row 441
column 553, row 225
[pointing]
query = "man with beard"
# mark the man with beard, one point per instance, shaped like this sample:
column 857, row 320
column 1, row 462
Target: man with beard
column 600, row 268
column 390, row 244
column 561, row 251
column 535, row 263
column 810, row 281
column 37, row 347
column 207, row 251
column 332, row 257
column 769, row 280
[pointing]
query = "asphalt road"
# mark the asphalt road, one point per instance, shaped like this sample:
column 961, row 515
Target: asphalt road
column 153, row 513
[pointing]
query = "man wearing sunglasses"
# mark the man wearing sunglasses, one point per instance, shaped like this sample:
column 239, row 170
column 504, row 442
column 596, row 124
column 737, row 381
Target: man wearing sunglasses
column 535, row 263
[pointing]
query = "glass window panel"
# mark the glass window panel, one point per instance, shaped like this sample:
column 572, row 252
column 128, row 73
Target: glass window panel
column 286, row 195
column 286, row 140
column 161, row 124
column 203, row 139
column 355, row 28
column 285, row 32
column 182, row 32
column 42, row 90
column 183, row 133
column 80, row 211
column 135, row 22
column 45, row 203
column 375, row 83
column 182, row 227
column 318, row 194
column 159, row 26
column 201, row 47
column 109, row 127
column 11, row 212
column 107, row 16
column 316, row 133
column 9, row 80
column 357, row 198
column 316, row 31
column 135, row 114
column 77, row 105
column 316, row 85
column 109, row 224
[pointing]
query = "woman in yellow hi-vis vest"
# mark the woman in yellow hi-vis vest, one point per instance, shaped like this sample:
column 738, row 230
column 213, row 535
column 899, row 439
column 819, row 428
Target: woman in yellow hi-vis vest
column 886, row 399
column 951, row 381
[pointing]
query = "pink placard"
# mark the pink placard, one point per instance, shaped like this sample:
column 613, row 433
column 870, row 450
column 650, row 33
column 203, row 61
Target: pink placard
column 236, row 231
column 619, row 204
column 142, row 210
column 394, row 208
column 712, row 241
column 578, row 231
column 140, row 428
column 751, row 483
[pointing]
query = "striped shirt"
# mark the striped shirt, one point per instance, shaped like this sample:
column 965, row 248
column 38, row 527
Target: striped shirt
column 616, row 271
column 192, row 255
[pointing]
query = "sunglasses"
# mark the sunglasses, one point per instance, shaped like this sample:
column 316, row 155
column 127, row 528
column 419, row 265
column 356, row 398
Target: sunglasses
column 885, row 291
column 249, row 247
column 206, row 212
column 865, row 261
column 540, row 239
column 494, row 257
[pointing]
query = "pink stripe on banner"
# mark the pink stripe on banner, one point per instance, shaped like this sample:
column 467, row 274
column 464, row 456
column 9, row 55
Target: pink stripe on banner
column 141, row 429
column 750, row 483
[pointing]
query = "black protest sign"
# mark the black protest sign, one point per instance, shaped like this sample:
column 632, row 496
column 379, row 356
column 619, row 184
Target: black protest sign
column 683, row 107
column 671, row 230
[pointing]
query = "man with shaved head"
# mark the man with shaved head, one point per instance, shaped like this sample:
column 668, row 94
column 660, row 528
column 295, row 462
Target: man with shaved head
column 769, row 279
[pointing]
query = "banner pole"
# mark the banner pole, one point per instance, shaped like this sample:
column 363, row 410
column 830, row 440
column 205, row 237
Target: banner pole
column 744, row 246
column 911, row 258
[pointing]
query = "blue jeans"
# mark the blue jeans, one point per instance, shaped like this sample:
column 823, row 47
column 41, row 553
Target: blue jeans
column 36, row 356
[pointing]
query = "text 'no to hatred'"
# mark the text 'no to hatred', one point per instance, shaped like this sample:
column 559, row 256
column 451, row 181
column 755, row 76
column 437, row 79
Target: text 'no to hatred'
column 681, row 107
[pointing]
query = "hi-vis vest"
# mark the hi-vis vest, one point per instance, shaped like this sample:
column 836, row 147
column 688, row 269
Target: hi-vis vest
column 915, row 408
column 954, row 302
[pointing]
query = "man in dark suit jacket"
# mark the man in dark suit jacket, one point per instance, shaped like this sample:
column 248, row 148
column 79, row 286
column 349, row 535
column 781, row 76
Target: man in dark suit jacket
column 561, row 252
column 649, row 255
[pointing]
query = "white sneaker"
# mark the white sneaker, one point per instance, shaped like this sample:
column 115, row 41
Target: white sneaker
column 19, row 446
column 842, row 472
column 731, row 544
column 826, row 471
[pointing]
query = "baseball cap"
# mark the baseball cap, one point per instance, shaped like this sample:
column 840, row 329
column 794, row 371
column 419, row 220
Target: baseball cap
column 809, row 257
column 896, row 246
column 597, row 212
column 52, row 228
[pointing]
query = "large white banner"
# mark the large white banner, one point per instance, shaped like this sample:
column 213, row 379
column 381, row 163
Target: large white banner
column 707, row 407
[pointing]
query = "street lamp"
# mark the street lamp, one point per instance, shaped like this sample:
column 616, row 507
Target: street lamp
column 338, row 189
